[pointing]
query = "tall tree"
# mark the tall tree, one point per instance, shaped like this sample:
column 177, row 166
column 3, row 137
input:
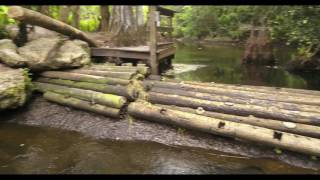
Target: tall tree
column 44, row 10
column 64, row 13
column 76, row 16
column 105, row 17
column 123, row 26
column 139, row 15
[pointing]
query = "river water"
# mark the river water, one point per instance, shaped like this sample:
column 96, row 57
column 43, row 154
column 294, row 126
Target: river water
column 223, row 65
column 27, row 149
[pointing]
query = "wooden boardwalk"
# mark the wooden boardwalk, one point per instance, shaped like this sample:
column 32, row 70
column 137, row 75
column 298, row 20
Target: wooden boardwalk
column 164, row 50
column 157, row 55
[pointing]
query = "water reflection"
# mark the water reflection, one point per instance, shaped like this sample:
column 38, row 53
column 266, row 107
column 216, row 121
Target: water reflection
column 224, row 66
column 25, row 149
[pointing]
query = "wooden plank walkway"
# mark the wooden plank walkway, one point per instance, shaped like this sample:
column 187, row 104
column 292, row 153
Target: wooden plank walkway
column 135, row 52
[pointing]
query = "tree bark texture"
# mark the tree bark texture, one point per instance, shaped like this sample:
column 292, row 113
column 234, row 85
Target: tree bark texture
column 81, row 104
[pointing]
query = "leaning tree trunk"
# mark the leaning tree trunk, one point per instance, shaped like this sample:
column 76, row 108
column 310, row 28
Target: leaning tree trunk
column 258, row 48
column 105, row 17
column 36, row 18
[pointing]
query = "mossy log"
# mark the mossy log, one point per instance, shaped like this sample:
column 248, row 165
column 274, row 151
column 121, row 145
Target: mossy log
column 292, row 142
column 240, row 100
column 148, row 84
column 237, row 109
column 81, row 104
column 263, row 89
column 141, row 69
column 295, row 128
column 35, row 18
column 104, row 88
column 109, row 100
column 112, row 74
column 84, row 78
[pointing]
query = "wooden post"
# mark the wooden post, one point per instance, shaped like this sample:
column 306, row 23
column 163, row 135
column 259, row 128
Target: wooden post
column 153, row 41
column 170, row 25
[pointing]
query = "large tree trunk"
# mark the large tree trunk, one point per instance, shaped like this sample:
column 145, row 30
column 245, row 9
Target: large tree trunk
column 236, row 109
column 295, row 128
column 64, row 13
column 123, row 26
column 109, row 100
column 139, row 16
column 81, row 104
column 84, row 78
column 258, row 49
column 35, row 18
column 105, row 17
column 247, row 132
column 76, row 16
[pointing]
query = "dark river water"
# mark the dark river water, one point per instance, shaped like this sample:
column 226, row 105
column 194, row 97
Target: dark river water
column 223, row 65
column 26, row 149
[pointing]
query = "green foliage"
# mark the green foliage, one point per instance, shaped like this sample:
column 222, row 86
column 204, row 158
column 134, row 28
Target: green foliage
column 298, row 26
column 90, row 16
column 4, row 20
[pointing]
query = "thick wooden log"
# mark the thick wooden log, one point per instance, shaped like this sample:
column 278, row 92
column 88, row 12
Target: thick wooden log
column 237, row 109
column 84, row 78
column 292, row 142
column 240, row 100
column 294, row 128
column 83, row 105
column 266, row 89
column 109, row 100
column 141, row 69
column 35, row 18
column 233, row 93
column 112, row 74
column 104, row 88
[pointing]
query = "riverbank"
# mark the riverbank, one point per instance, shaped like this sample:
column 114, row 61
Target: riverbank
column 40, row 112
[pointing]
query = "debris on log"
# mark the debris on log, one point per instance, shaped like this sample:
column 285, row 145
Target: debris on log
column 236, row 109
column 146, row 111
column 290, row 127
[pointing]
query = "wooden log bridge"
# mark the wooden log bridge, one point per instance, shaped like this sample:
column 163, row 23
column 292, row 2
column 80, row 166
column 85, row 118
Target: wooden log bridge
column 157, row 55
column 283, row 118
column 278, row 117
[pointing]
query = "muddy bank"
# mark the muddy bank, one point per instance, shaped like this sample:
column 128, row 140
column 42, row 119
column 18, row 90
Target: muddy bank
column 39, row 112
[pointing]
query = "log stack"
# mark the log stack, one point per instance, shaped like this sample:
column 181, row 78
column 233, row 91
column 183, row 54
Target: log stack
column 102, row 91
column 279, row 117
